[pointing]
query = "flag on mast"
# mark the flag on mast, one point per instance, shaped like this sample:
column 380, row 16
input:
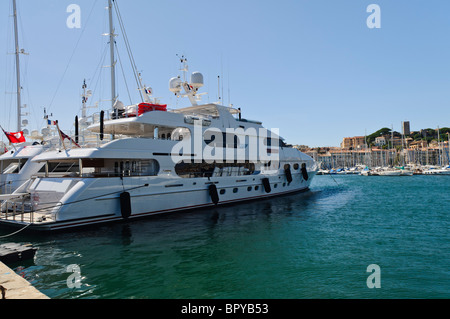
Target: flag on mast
column 65, row 136
column 15, row 137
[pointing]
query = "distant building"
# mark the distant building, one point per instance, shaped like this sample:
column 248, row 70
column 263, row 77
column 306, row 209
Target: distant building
column 415, row 145
column 396, row 141
column 356, row 142
column 346, row 142
column 380, row 141
column 405, row 128
column 302, row 148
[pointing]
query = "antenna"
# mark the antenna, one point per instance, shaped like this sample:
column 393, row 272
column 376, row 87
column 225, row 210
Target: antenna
column 229, row 94
column 218, row 87
column 221, row 73
column 184, row 67
column 176, row 85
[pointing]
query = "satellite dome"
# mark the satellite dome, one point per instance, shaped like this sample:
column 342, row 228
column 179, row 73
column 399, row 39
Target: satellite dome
column 175, row 85
column 197, row 80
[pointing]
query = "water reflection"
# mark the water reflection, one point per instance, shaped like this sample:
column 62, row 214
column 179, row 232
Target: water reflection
column 125, row 256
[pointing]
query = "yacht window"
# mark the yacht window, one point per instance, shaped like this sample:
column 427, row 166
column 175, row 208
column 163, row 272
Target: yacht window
column 61, row 167
column 216, row 139
column 106, row 167
column 180, row 133
column 268, row 141
column 193, row 170
column 14, row 167
column 131, row 168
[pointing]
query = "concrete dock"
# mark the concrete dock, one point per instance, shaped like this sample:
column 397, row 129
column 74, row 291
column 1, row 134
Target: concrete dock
column 16, row 286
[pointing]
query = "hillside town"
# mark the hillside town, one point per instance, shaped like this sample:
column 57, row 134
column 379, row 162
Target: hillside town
column 389, row 148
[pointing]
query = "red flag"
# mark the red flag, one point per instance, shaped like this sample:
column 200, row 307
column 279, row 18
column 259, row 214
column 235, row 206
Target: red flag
column 15, row 138
column 64, row 136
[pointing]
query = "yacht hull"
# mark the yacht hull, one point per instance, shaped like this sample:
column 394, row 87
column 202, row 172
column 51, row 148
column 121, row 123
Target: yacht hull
column 147, row 198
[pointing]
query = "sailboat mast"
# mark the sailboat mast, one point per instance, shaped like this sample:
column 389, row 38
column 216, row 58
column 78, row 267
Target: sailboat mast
column 19, row 89
column 111, row 46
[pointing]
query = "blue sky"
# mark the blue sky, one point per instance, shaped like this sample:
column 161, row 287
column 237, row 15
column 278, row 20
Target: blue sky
column 313, row 69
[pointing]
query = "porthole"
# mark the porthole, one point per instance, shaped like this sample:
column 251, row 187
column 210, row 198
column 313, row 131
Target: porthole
column 249, row 188
column 284, row 184
column 222, row 192
column 235, row 190
column 256, row 187
column 275, row 186
column 296, row 166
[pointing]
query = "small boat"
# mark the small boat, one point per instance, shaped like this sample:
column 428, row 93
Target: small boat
column 389, row 172
column 437, row 171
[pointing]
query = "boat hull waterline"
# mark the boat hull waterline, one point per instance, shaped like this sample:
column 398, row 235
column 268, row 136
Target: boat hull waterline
column 144, row 204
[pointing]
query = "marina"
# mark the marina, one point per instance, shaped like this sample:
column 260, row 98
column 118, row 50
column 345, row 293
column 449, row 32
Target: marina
column 193, row 187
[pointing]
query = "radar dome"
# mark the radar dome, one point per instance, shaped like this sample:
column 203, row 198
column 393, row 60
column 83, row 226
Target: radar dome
column 197, row 80
column 45, row 131
column 175, row 85
column 119, row 105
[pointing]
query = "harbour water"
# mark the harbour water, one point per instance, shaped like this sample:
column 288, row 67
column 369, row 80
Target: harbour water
column 316, row 244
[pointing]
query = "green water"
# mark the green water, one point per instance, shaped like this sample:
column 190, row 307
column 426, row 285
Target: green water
column 316, row 244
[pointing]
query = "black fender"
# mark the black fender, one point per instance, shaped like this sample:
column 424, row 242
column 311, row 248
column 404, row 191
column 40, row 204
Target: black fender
column 305, row 172
column 125, row 205
column 213, row 193
column 266, row 185
column 287, row 172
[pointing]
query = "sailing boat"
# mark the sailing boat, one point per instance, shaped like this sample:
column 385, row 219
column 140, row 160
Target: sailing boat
column 15, row 165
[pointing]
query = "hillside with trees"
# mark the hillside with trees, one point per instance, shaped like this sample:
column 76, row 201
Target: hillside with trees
column 424, row 134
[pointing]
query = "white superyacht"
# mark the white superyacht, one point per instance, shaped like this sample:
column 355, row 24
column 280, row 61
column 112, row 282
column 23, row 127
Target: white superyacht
column 159, row 161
